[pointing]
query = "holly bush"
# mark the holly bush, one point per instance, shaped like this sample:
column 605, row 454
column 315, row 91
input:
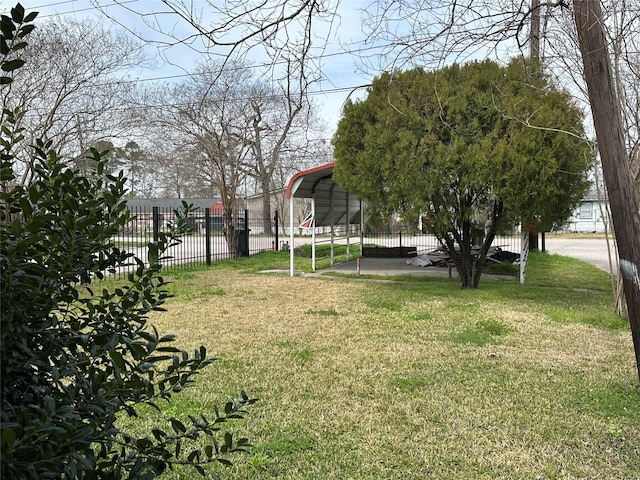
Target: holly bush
column 77, row 356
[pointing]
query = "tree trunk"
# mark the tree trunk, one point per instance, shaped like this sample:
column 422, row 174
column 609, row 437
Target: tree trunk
column 230, row 231
column 458, row 246
column 607, row 120
column 266, row 208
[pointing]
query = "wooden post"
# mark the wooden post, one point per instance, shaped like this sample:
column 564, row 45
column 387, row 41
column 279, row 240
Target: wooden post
column 534, row 52
column 534, row 34
column 607, row 120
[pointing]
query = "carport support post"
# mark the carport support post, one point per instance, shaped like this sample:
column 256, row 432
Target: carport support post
column 313, row 232
column 291, row 236
column 361, row 229
column 333, row 226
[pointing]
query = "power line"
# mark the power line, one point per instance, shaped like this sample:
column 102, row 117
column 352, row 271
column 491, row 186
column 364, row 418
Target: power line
column 125, row 81
column 186, row 75
column 96, row 8
column 52, row 4
column 78, row 10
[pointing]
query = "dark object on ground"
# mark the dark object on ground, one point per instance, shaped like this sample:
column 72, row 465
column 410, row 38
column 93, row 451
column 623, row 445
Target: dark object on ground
column 389, row 252
column 440, row 258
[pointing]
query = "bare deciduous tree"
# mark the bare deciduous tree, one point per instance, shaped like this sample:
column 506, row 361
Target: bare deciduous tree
column 176, row 172
column 257, row 129
column 621, row 28
column 72, row 87
column 282, row 120
column 210, row 122
column 278, row 32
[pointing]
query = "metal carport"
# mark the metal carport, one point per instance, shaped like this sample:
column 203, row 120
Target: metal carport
column 331, row 205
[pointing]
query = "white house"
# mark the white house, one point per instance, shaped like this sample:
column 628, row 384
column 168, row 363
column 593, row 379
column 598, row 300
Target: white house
column 590, row 216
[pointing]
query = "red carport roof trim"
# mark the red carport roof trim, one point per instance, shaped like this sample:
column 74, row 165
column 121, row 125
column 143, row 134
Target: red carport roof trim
column 307, row 172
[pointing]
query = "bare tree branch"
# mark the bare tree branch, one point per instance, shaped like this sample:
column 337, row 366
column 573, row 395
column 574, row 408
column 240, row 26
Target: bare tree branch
column 70, row 86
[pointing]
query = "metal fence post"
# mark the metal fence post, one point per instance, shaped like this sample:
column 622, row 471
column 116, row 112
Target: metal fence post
column 156, row 223
column 275, row 219
column 207, row 235
column 246, row 233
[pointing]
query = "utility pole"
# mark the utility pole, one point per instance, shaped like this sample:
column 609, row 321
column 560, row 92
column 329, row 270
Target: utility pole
column 534, row 53
column 534, row 34
column 607, row 120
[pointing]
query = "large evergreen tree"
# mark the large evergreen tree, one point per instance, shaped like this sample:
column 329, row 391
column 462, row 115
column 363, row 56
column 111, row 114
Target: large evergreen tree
column 475, row 147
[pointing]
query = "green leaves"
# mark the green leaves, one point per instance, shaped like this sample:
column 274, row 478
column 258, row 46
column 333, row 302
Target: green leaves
column 75, row 359
column 81, row 356
column 474, row 147
column 11, row 65
column 178, row 427
column 14, row 29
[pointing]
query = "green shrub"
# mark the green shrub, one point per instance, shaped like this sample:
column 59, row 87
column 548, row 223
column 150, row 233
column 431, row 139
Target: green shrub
column 76, row 358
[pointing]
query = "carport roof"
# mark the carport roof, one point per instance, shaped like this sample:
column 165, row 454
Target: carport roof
column 332, row 202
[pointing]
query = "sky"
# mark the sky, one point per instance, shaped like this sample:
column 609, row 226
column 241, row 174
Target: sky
column 347, row 59
column 336, row 46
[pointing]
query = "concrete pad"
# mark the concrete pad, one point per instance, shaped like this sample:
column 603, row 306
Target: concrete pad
column 397, row 266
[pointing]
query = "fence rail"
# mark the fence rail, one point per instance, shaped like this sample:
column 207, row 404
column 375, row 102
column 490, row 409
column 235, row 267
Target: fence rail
column 422, row 243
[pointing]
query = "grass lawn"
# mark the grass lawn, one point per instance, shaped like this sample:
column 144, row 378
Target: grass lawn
column 372, row 380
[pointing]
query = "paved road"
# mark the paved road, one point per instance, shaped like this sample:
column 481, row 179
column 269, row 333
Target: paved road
column 591, row 250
